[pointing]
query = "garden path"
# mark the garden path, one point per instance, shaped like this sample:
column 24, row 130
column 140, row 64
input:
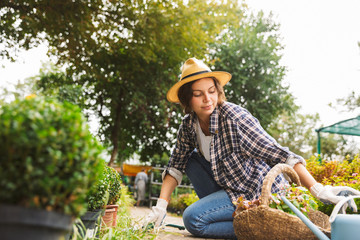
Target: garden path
column 168, row 233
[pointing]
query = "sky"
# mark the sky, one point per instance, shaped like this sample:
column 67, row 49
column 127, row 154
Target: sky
column 321, row 52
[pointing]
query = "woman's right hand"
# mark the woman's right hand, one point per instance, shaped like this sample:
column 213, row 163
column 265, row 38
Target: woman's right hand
column 157, row 214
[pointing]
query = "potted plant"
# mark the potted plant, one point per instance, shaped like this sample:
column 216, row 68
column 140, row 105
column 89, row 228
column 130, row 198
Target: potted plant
column 114, row 181
column 97, row 199
column 101, row 199
column 49, row 160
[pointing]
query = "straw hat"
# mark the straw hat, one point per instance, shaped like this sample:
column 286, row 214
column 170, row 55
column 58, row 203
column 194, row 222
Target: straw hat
column 194, row 69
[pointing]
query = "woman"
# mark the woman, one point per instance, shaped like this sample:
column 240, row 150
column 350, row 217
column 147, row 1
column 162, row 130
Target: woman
column 226, row 154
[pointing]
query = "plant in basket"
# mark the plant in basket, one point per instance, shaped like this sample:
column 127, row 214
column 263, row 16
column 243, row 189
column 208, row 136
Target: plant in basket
column 268, row 218
column 299, row 196
column 49, row 160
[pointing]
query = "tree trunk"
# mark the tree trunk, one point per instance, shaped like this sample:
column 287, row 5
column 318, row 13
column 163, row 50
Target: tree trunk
column 115, row 136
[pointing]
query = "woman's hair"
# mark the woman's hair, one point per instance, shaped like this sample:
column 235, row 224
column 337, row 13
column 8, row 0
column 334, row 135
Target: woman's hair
column 185, row 94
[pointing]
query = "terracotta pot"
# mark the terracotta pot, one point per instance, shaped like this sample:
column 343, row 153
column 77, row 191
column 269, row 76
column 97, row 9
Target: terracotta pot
column 110, row 216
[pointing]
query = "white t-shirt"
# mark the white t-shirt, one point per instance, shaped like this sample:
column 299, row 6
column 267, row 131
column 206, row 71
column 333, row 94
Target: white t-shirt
column 204, row 141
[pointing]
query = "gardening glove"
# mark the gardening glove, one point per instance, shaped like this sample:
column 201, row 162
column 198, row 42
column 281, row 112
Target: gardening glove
column 157, row 214
column 330, row 194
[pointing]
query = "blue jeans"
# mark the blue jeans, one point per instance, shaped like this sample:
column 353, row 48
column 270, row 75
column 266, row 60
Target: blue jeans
column 211, row 216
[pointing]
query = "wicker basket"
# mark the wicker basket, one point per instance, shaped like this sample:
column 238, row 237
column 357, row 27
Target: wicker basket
column 263, row 222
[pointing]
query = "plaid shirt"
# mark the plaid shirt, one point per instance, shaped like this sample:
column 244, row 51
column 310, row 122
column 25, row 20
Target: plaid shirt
column 241, row 152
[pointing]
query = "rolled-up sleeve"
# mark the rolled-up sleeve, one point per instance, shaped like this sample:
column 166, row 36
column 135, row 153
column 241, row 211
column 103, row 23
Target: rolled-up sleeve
column 181, row 153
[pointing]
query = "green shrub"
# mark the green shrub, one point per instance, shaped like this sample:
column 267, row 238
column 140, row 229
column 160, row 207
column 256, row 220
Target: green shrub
column 180, row 202
column 114, row 181
column 48, row 157
column 106, row 191
column 336, row 173
column 98, row 196
column 127, row 227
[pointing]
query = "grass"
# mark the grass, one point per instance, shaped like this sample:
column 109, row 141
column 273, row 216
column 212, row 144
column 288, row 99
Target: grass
column 126, row 226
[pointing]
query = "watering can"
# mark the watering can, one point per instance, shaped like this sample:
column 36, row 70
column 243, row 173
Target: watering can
column 343, row 227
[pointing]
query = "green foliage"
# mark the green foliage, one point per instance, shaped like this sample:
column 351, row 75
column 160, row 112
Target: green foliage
column 300, row 197
column 48, row 157
column 52, row 81
column 296, row 131
column 114, row 185
column 339, row 173
column 130, row 60
column 106, row 191
column 180, row 202
column 250, row 50
column 336, row 173
column 349, row 103
column 98, row 195
column 65, row 24
column 125, row 228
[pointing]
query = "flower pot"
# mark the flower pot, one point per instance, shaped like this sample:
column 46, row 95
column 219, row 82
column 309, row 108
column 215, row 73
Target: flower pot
column 17, row 222
column 91, row 223
column 110, row 216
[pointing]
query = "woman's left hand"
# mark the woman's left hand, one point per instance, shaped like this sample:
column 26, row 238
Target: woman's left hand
column 334, row 194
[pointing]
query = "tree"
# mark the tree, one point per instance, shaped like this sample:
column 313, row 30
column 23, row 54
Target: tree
column 297, row 132
column 127, row 75
column 64, row 24
column 124, row 55
column 350, row 103
column 250, row 51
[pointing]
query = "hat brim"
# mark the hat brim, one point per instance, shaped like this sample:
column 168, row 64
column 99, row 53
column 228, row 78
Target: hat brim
column 222, row 77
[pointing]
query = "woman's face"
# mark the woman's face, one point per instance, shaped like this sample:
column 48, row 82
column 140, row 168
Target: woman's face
column 205, row 97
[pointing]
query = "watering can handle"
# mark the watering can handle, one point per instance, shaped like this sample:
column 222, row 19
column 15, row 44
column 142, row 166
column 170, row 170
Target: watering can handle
column 338, row 206
column 318, row 233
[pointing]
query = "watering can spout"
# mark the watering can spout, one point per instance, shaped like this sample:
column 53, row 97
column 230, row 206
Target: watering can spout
column 307, row 222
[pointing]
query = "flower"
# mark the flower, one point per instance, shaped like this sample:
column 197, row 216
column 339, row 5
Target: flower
column 30, row 96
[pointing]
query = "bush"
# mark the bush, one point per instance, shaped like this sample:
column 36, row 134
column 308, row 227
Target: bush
column 48, row 157
column 98, row 195
column 180, row 202
column 114, row 181
column 106, row 191
column 336, row 173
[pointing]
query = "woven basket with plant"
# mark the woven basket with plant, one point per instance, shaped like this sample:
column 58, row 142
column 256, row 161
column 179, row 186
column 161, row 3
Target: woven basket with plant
column 257, row 220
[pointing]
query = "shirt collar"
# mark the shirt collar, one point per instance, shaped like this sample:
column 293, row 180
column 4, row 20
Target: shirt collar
column 214, row 119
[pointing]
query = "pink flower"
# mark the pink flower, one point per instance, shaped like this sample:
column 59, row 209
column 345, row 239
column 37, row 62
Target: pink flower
column 275, row 200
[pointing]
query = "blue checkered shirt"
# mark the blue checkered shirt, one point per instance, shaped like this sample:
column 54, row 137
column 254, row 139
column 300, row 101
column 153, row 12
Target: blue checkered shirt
column 241, row 152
